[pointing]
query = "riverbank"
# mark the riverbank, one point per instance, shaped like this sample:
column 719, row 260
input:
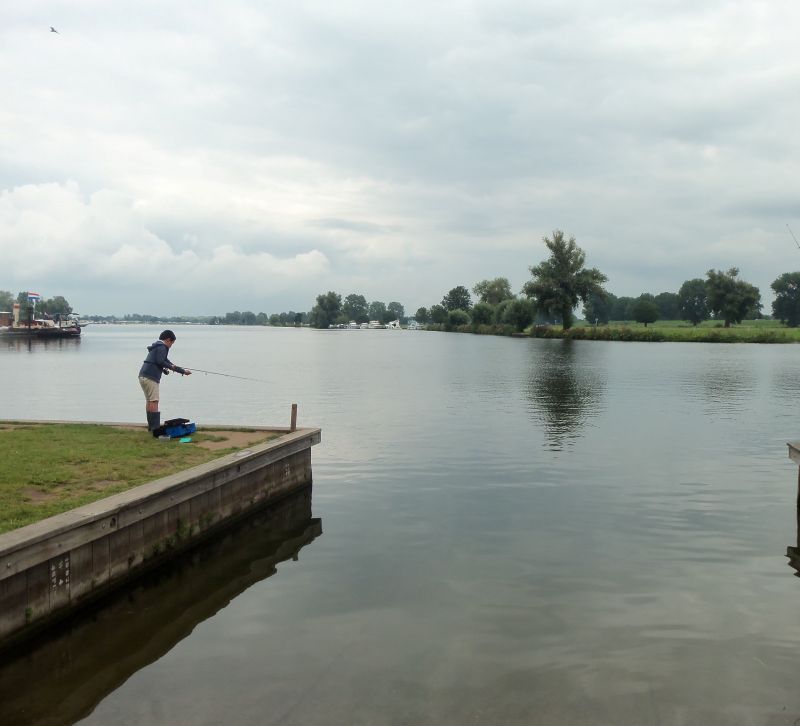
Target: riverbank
column 56, row 565
column 49, row 468
column 671, row 331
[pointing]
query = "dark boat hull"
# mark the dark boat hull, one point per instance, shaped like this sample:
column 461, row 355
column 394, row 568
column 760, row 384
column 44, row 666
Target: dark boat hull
column 49, row 333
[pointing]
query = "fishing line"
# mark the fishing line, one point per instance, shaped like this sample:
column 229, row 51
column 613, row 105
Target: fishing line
column 226, row 375
column 793, row 237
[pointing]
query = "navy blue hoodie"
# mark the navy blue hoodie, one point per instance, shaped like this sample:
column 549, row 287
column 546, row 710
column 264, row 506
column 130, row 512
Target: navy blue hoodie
column 157, row 361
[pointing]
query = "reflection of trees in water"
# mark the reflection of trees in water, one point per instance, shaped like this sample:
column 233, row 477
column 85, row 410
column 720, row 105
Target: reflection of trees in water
column 565, row 390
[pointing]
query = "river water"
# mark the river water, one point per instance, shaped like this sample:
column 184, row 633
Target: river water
column 502, row 531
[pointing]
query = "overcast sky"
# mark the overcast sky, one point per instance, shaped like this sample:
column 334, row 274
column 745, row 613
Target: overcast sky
column 195, row 158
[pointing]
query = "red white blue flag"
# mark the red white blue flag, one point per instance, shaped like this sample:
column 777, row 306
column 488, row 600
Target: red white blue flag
column 33, row 296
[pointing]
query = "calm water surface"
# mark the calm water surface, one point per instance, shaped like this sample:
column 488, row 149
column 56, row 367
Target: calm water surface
column 501, row 531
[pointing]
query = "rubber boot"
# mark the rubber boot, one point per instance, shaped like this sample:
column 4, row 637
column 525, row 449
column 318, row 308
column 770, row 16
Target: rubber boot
column 153, row 420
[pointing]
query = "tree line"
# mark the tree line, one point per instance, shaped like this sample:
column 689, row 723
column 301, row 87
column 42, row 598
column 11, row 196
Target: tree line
column 57, row 305
column 721, row 296
column 562, row 281
column 330, row 309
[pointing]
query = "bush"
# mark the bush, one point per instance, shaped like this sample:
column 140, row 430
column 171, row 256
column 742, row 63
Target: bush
column 456, row 318
column 518, row 313
column 482, row 314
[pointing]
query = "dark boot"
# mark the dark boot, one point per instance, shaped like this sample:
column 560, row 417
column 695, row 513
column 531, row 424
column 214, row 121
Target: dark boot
column 153, row 420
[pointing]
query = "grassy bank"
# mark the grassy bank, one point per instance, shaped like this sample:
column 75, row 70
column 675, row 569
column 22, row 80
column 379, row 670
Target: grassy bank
column 749, row 331
column 50, row 468
column 675, row 331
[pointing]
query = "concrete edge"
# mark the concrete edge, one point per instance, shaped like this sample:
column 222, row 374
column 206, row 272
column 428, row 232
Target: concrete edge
column 105, row 513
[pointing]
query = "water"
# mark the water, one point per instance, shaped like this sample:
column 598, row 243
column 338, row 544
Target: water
column 510, row 532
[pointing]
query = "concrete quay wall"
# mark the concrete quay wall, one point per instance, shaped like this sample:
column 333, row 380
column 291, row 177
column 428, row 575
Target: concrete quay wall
column 50, row 568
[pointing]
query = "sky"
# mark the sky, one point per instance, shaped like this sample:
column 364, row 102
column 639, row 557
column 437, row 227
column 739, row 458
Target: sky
column 184, row 158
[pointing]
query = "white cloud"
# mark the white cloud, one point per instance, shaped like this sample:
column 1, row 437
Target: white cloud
column 269, row 153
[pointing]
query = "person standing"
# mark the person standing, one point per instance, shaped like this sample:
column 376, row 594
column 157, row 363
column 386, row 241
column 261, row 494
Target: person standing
column 154, row 365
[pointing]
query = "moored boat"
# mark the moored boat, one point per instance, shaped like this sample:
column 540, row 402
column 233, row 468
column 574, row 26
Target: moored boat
column 57, row 326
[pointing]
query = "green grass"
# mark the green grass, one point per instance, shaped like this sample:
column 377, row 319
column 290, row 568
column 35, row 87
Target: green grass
column 749, row 331
column 50, row 468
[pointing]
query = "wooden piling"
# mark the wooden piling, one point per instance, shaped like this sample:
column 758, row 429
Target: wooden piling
column 293, row 425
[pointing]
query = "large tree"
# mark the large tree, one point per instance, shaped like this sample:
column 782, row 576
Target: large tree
column 562, row 280
column 355, row 308
column 422, row 315
column 327, row 310
column 457, row 299
column 645, row 310
column 395, row 311
column 621, row 308
column 377, row 311
column 493, row 291
column 693, row 301
column 729, row 298
column 786, row 305
column 667, row 305
column 438, row 314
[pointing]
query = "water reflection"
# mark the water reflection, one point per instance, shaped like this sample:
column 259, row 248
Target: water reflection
column 21, row 343
column 564, row 389
column 725, row 385
column 74, row 670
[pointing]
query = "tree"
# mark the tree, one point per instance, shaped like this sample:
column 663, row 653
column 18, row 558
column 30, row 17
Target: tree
column 693, row 301
column 6, row 301
column 621, row 309
column 667, row 305
column 562, row 280
column 482, row 313
column 438, row 314
column 248, row 318
column 519, row 313
column 729, row 298
column 355, row 308
column 422, row 316
column 786, row 305
column 56, row 306
column 457, row 299
column 395, row 311
column 598, row 308
column 493, row 291
column 645, row 310
column 377, row 311
column 456, row 318
column 326, row 311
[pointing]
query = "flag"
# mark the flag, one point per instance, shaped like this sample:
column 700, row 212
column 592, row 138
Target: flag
column 34, row 296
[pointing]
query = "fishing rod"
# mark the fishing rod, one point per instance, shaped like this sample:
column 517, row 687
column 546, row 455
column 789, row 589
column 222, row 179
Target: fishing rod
column 793, row 237
column 226, row 375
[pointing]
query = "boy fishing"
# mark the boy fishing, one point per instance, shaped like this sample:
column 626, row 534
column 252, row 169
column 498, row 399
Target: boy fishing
column 154, row 365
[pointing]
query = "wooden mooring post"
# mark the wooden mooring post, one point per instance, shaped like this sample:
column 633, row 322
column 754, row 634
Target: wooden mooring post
column 293, row 425
column 793, row 552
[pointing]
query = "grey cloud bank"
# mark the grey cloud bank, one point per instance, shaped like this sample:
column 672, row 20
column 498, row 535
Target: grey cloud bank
column 169, row 158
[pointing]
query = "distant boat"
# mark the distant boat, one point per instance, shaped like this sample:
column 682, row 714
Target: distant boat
column 58, row 326
column 375, row 325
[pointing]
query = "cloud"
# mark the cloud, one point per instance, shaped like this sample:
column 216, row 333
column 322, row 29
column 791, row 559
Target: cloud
column 52, row 234
column 394, row 150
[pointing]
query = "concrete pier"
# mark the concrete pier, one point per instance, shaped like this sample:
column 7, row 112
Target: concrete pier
column 50, row 568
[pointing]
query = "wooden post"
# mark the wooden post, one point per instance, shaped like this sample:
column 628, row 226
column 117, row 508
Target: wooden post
column 293, row 426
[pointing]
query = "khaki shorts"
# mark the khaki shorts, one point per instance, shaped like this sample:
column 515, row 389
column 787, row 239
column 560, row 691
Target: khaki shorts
column 150, row 388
